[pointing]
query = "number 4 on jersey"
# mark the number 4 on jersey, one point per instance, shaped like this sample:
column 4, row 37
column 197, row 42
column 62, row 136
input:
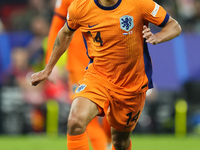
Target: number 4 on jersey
column 97, row 38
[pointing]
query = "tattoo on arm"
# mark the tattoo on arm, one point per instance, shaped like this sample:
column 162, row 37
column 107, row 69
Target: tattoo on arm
column 56, row 43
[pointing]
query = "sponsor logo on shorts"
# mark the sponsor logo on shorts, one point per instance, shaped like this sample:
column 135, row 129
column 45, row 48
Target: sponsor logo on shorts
column 81, row 88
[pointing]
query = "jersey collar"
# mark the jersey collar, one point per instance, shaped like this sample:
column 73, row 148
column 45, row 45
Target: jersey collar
column 107, row 8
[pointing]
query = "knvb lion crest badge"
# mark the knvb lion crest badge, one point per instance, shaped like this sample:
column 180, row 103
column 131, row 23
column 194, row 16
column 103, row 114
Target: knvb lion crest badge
column 126, row 22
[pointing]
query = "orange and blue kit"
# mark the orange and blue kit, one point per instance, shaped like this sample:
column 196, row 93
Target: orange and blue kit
column 120, row 69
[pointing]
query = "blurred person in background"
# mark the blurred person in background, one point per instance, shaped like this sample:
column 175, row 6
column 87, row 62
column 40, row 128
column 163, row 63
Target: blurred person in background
column 17, row 75
column 197, row 16
column 17, row 15
column 37, row 47
column 21, row 103
column 170, row 7
column 1, row 30
column 188, row 13
column 39, row 28
column 42, row 7
column 77, row 60
column 1, row 26
column 10, row 7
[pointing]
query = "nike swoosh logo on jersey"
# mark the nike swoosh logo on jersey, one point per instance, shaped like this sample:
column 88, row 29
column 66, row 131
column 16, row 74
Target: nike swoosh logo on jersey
column 92, row 25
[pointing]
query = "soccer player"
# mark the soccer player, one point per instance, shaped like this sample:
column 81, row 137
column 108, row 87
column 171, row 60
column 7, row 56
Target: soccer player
column 119, row 74
column 77, row 61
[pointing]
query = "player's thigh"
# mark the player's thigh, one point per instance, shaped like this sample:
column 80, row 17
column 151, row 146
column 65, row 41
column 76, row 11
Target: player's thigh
column 83, row 110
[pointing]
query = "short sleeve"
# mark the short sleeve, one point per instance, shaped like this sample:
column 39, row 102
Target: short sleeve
column 154, row 13
column 72, row 17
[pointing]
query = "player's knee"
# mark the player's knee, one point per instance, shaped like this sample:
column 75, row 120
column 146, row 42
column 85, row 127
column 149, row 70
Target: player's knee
column 119, row 145
column 75, row 125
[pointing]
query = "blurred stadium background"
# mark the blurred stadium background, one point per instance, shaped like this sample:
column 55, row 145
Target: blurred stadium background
column 171, row 117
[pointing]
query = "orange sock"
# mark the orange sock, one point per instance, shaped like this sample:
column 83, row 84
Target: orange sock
column 77, row 142
column 129, row 148
column 96, row 135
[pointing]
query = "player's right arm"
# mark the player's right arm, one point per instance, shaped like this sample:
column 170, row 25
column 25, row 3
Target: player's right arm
column 156, row 14
column 61, row 43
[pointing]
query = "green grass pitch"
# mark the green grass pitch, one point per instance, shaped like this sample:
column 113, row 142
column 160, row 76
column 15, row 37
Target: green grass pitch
column 140, row 142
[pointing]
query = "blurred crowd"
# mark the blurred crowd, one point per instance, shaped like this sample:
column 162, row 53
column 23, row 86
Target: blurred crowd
column 18, row 14
column 35, row 17
column 16, row 95
column 186, row 12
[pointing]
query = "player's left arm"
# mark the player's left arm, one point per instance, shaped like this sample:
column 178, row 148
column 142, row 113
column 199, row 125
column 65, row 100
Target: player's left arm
column 171, row 30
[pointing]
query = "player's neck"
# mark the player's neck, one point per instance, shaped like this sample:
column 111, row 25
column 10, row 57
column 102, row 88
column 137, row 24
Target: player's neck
column 107, row 3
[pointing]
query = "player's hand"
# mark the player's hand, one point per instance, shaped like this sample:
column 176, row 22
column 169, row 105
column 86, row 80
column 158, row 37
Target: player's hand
column 149, row 36
column 38, row 77
column 54, row 76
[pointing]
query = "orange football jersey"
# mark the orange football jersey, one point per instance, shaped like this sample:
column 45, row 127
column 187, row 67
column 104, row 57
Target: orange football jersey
column 113, row 36
column 77, row 59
